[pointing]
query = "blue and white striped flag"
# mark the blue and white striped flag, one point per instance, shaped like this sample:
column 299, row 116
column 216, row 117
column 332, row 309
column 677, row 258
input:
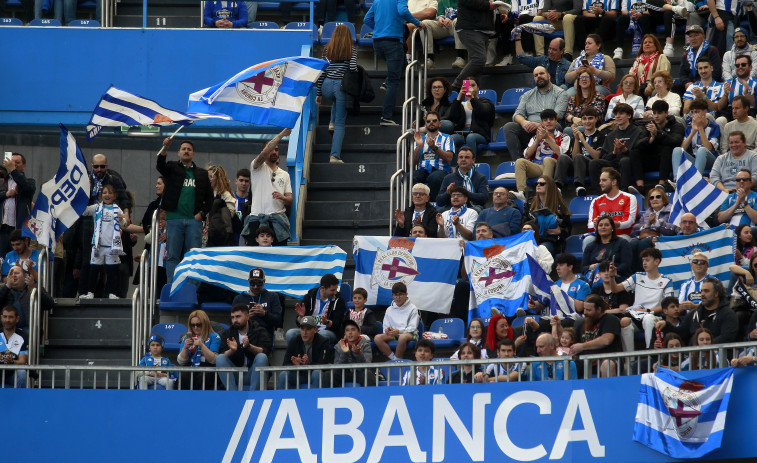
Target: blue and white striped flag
column 548, row 292
column 682, row 418
column 717, row 243
column 63, row 198
column 428, row 266
column 269, row 93
column 291, row 270
column 694, row 194
column 118, row 108
column 499, row 274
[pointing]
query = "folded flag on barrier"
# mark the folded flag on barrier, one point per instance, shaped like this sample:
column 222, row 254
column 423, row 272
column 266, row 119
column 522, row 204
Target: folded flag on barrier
column 61, row 199
column 717, row 243
column 291, row 270
column 548, row 292
column 118, row 108
column 499, row 274
column 269, row 93
column 428, row 266
column 694, row 194
column 679, row 417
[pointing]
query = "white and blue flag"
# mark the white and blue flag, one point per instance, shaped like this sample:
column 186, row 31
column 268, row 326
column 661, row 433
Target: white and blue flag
column 499, row 274
column 428, row 267
column 548, row 293
column 269, row 93
column 118, row 108
column 63, row 198
column 679, row 417
column 291, row 270
column 694, row 194
column 718, row 244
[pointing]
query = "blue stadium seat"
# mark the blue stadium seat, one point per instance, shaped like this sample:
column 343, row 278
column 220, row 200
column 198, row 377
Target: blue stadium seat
column 84, row 23
column 639, row 205
column 445, row 41
column 172, row 333
column 518, row 203
column 346, row 292
column 11, row 21
column 45, row 22
column 88, row 4
column 269, row 6
column 328, row 31
column 394, row 374
column 263, row 25
column 579, row 206
column 499, row 141
column 489, row 94
column 367, row 4
column 299, row 26
column 573, row 245
column 454, row 328
column 504, row 168
column 184, row 299
column 216, row 307
column 484, row 169
column 510, row 98
column 411, row 344
column 453, row 95
column 380, row 329
column 367, row 42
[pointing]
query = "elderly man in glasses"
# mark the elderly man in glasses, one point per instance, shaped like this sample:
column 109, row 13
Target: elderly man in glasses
column 264, row 306
column 420, row 213
column 739, row 207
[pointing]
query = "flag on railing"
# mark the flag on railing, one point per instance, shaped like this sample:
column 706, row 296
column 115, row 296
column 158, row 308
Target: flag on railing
column 428, row 266
column 499, row 274
column 682, row 418
column 118, row 108
column 717, row 243
column 269, row 93
column 291, row 270
column 548, row 292
column 694, row 194
column 63, row 198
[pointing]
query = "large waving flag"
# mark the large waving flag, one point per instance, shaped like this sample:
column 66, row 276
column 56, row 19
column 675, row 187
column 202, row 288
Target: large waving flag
column 682, row 418
column 292, row 270
column 499, row 274
column 118, row 108
column 269, row 93
column 717, row 243
column 559, row 303
column 63, row 198
column 428, row 266
column 694, row 194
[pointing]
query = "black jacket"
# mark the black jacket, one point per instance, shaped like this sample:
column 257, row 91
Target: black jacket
column 482, row 117
column 335, row 307
column 321, row 351
column 256, row 334
column 270, row 302
column 479, row 197
column 722, row 322
column 684, row 72
column 428, row 221
column 474, row 15
column 147, row 218
column 174, row 174
column 444, row 110
column 671, row 135
column 112, row 177
column 358, row 88
column 25, row 189
column 7, row 298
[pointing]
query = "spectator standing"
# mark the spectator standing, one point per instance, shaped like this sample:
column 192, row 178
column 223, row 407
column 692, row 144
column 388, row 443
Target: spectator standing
column 478, row 114
column 591, row 60
column 562, row 14
column 21, row 253
column 646, row 18
column 741, row 122
column 503, row 219
column 587, row 141
column 220, row 220
column 432, row 154
column 244, row 344
column 422, row 10
column 226, row 15
column 740, row 47
column 327, row 10
column 475, row 26
column 727, row 166
column 271, row 193
column 724, row 15
column 187, row 199
column 16, row 347
column 15, row 199
column 341, row 55
column 243, row 195
column 554, row 62
column 387, row 19
column 649, row 60
column 419, row 213
column 444, row 26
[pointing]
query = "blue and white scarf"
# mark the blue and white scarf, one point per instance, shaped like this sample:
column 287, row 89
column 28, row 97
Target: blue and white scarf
column 451, row 232
column 467, row 184
column 116, row 247
column 598, row 62
column 692, row 58
column 97, row 186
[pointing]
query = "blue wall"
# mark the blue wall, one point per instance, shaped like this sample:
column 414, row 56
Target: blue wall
column 128, row 426
column 52, row 75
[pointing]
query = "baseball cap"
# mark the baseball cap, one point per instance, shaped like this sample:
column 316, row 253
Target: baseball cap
column 308, row 321
column 257, row 274
column 694, row 28
column 740, row 30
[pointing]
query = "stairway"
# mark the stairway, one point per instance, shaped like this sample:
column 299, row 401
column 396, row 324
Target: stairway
column 169, row 14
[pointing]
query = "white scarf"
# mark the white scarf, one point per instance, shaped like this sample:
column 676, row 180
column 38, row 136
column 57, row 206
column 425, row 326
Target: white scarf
column 116, row 248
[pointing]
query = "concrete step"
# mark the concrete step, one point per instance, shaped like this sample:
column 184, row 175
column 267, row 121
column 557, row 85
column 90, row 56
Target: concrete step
column 353, row 173
column 63, row 328
column 108, row 343
column 77, row 354
column 367, row 191
column 347, row 211
column 361, row 134
column 162, row 22
column 357, row 153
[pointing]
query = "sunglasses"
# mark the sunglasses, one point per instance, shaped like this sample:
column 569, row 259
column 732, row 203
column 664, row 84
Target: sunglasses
column 742, row 65
column 699, row 261
column 655, row 197
column 428, row 121
column 584, row 78
column 273, row 177
column 99, row 166
column 196, row 325
column 743, row 179
column 256, row 283
column 541, row 183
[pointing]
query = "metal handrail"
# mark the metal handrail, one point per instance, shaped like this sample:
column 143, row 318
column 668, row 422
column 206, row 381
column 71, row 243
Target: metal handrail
column 396, row 178
column 134, row 326
column 33, row 322
column 154, row 256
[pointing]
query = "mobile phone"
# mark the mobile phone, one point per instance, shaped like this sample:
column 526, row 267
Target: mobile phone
column 466, row 86
column 8, row 155
column 585, row 62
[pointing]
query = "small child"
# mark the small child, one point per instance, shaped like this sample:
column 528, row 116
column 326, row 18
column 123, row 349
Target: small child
column 264, row 236
column 400, row 323
column 365, row 318
column 504, row 372
column 424, row 352
column 567, row 338
column 107, row 247
column 164, row 380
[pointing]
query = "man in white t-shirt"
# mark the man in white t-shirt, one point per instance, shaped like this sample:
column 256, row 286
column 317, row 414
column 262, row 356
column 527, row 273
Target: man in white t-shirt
column 271, row 194
column 459, row 221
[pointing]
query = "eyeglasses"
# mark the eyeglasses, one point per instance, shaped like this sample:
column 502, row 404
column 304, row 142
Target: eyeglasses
column 628, row 82
column 541, row 183
column 474, row 327
column 256, row 283
column 456, row 195
column 419, row 193
column 699, row 261
column 99, row 166
column 584, row 78
column 738, row 179
column 196, row 325
column 655, row 197
column 742, row 65
column 431, row 120
column 437, row 87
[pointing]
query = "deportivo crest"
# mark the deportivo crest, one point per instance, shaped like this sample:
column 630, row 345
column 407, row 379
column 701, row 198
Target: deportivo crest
column 262, row 88
column 493, row 277
column 684, row 409
column 394, row 265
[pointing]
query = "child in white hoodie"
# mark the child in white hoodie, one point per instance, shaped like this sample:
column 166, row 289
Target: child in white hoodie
column 400, row 323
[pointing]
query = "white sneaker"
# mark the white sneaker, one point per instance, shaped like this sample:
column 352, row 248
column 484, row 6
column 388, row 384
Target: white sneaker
column 87, row 296
column 429, row 63
column 459, row 63
column 331, row 127
column 681, row 11
column 113, row 296
column 668, row 50
column 506, row 61
column 279, row 335
column 518, row 195
column 617, row 54
column 335, row 160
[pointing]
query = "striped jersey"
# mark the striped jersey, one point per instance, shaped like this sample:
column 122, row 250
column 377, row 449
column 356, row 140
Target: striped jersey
column 607, row 5
column 712, row 131
column 691, row 290
column 429, row 160
column 737, row 88
column 544, row 151
column 731, row 6
column 713, row 92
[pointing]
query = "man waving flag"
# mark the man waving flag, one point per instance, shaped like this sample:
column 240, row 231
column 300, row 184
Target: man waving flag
column 269, row 93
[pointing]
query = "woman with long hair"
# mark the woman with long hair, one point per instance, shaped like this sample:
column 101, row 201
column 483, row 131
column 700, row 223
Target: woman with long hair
column 477, row 336
column 341, row 54
column 219, row 225
column 745, row 245
column 549, row 210
column 703, row 359
column 586, row 96
column 607, row 246
column 652, row 223
column 649, row 60
column 438, row 90
column 498, row 329
column 199, row 348
column 628, row 93
column 601, row 67
column 478, row 114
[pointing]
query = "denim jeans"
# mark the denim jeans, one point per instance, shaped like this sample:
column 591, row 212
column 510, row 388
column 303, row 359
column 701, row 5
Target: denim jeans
column 17, row 379
column 471, row 140
column 251, row 377
column 332, row 90
column 703, row 160
column 393, row 54
column 288, row 379
column 181, row 235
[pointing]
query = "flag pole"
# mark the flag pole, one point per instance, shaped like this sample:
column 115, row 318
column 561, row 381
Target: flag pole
column 172, row 135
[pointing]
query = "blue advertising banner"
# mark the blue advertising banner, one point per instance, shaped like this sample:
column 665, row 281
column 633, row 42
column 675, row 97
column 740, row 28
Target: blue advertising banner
column 565, row 421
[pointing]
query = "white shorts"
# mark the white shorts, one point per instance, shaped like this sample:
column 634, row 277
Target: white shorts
column 102, row 256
